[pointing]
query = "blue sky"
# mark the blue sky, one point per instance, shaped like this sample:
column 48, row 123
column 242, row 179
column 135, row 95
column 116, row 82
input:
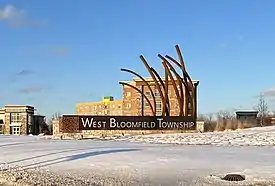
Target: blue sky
column 57, row 53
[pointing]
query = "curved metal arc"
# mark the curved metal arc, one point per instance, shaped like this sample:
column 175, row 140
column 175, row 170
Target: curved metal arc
column 180, row 82
column 150, row 89
column 173, row 83
column 189, row 82
column 192, row 85
column 167, row 91
column 180, row 57
column 179, row 95
column 152, row 75
column 166, row 105
column 183, row 93
column 185, row 74
column 126, row 84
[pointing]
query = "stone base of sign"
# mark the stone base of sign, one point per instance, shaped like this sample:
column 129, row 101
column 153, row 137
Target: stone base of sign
column 95, row 134
column 90, row 134
column 200, row 126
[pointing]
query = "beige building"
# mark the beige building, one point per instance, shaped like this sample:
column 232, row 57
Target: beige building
column 19, row 119
column 108, row 106
column 132, row 103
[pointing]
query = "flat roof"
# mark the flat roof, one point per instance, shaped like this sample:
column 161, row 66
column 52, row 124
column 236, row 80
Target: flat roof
column 98, row 102
column 247, row 111
column 19, row 106
column 151, row 79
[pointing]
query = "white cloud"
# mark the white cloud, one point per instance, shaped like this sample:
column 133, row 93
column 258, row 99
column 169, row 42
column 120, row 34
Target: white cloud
column 16, row 17
column 269, row 93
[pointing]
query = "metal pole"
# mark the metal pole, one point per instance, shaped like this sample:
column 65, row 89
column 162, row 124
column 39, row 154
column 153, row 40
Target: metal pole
column 142, row 100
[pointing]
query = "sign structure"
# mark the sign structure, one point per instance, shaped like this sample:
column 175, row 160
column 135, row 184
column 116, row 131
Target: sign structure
column 185, row 89
column 87, row 122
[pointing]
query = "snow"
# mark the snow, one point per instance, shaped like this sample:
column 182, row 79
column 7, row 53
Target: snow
column 155, row 163
column 259, row 136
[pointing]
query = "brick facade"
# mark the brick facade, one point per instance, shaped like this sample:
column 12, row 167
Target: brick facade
column 131, row 103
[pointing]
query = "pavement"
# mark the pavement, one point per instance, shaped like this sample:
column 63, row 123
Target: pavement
column 154, row 164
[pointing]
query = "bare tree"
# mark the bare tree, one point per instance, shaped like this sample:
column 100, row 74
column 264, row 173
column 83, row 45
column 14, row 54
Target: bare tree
column 201, row 117
column 210, row 117
column 50, row 120
column 225, row 114
column 262, row 108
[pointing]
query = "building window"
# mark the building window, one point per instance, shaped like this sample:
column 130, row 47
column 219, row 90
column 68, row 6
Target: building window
column 95, row 107
column 158, row 105
column 147, row 93
column 157, row 93
column 128, row 94
column 128, row 105
column 158, row 113
column 119, row 106
column 16, row 118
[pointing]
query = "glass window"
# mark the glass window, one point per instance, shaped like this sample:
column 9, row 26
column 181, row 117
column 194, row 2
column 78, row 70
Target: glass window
column 158, row 105
column 158, row 113
column 157, row 93
column 147, row 93
column 128, row 94
column 16, row 117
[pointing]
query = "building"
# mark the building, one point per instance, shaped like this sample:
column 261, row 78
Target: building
column 247, row 115
column 108, row 106
column 19, row 119
column 2, row 118
column 132, row 103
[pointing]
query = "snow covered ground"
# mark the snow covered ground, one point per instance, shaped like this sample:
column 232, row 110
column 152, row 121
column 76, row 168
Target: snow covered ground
column 260, row 136
column 155, row 164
